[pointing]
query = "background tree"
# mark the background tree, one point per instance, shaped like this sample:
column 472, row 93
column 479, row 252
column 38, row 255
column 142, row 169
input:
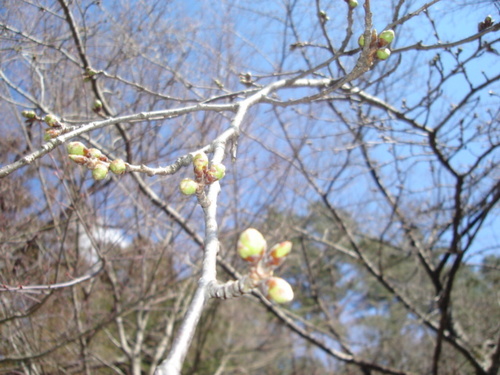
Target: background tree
column 382, row 172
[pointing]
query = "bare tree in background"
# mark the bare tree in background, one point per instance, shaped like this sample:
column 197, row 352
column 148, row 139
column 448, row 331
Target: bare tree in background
column 377, row 158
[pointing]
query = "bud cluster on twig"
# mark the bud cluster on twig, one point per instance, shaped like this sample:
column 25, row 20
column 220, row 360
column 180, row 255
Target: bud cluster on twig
column 95, row 160
column 204, row 174
column 252, row 247
column 379, row 44
column 55, row 129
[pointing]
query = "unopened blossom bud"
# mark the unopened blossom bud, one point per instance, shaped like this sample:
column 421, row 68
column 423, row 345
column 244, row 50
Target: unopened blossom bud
column 188, row 186
column 200, row 162
column 383, row 53
column 386, row 37
column 29, row 114
column 279, row 251
column 100, row 171
column 51, row 133
column 79, row 159
column 251, row 245
column 118, row 166
column 353, row 3
column 76, row 148
column 51, row 120
column 278, row 290
column 97, row 106
column 94, row 153
column 216, row 172
column 361, row 40
column 323, row 16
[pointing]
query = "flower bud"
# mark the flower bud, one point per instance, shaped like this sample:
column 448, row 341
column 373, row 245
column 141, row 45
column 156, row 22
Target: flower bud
column 118, row 166
column 76, row 148
column 386, row 37
column 323, row 16
column 100, row 171
column 200, row 162
column 51, row 120
column 353, row 3
column 361, row 40
column 216, row 172
column 97, row 106
column 251, row 245
column 279, row 251
column 188, row 186
column 31, row 115
column 79, row 159
column 51, row 133
column 278, row 290
column 383, row 53
column 94, row 153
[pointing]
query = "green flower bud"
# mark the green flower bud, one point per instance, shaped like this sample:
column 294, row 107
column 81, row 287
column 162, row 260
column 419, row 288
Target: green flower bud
column 188, row 186
column 200, row 161
column 323, row 16
column 100, row 171
column 97, row 106
column 118, row 166
column 251, row 245
column 353, row 3
column 383, row 53
column 386, row 37
column 279, row 251
column 94, row 153
column 29, row 114
column 361, row 40
column 76, row 148
column 278, row 290
column 51, row 120
column 90, row 72
column 215, row 173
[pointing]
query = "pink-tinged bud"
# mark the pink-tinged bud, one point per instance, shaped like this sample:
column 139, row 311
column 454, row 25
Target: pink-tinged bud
column 385, row 38
column 353, row 3
column 94, row 153
column 118, row 166
column 79, row 159
column 383, row 53
column 188, row 186
column 51, row 133
column 251, row 245
column 31, row 115
column 100, row 171
column 51, row 120
column 76, row 148
column 215, row 173
column 278, row 290
column 279, row 251
column 200, row 162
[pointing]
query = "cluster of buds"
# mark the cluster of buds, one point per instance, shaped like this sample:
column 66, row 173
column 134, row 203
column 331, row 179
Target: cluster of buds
column 483, row 25
column 89, row 74
column 252, row 247
column 204, row 174
column 95, row 160
column 55, row 129
column 379, row 43
column 246, row 79
column 323, row 17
